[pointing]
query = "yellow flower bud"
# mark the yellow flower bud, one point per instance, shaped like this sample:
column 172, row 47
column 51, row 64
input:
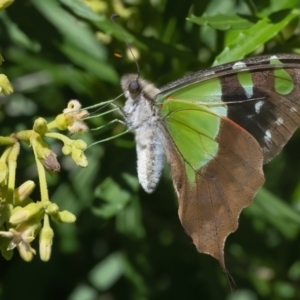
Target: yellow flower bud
column 15, row 209
column 29, row 211
column 5, row 86
column 79, row 158
column 80, row 144
column 46, row 240
column 66, row 150
column 25, row 252
column 52, row 209
column 23, row 191
column 69, row 119
column 61, row 122
column 66, row 217
column 40, row 126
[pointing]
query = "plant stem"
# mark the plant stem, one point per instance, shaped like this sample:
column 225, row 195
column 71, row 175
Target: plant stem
column 40, row 169
column 12, row 166
column 59, row 136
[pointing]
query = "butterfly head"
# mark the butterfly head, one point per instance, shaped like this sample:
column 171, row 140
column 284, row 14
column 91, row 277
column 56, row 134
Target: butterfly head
column 131, row 86
column 136, row 88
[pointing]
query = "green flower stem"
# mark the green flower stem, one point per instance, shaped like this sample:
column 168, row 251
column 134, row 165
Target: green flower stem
column 12, row 166
column 7, row 140
column 40, row 169
column 52, row 125
column 46, row 221
column 24, row 134
column 59, row 136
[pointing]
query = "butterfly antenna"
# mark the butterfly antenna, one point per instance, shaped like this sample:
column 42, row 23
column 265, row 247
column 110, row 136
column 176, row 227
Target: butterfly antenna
column 113, row 18
column 92, row 114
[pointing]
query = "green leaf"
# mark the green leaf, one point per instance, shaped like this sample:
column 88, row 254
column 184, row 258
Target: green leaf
column 276, row 5
column 115, row 198
column 82, row 10
column 107, row 272
column 71, row 29
column 242, row 295
column 86, row 50
column 250, row 39
column 222, row 22
column 133, row 275
column 276, row 212
column 129, row 220
column 97, row 67
column 83, row 292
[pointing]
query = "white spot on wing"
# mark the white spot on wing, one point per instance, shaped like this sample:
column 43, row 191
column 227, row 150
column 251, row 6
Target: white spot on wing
column 268, row 136
column 239, row 65
column 248, row 91
column 293, row 109
column 258, row 106
column 274, row 57
column 279, row 121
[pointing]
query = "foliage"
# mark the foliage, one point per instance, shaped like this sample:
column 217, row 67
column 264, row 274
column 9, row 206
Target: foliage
column 127, row 244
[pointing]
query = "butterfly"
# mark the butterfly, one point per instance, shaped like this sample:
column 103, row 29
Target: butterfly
column 216, row 128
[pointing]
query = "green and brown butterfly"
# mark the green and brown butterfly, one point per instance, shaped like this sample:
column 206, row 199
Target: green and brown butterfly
column 217, row 128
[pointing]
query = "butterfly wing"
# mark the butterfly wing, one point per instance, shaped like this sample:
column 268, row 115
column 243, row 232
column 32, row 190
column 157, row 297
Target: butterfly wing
column 222, row 125
column 216, row 168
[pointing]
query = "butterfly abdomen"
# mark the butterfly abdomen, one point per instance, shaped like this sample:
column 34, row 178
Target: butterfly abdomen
column 150, row 158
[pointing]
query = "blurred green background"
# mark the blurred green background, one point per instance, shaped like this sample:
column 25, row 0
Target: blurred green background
column 127, row 244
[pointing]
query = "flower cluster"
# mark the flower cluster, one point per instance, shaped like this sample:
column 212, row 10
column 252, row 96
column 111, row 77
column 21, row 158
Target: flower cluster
column 21, row 218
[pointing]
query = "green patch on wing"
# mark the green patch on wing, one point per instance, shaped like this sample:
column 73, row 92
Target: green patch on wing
column 193, row 129
column 284, row 83
column 203, row 91
column 245, row 79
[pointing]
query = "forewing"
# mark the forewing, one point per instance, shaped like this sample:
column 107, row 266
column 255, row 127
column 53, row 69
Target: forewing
column 260, row 94
column 216, row 169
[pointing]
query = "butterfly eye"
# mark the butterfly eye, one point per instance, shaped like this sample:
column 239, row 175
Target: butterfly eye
column 133, row 87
